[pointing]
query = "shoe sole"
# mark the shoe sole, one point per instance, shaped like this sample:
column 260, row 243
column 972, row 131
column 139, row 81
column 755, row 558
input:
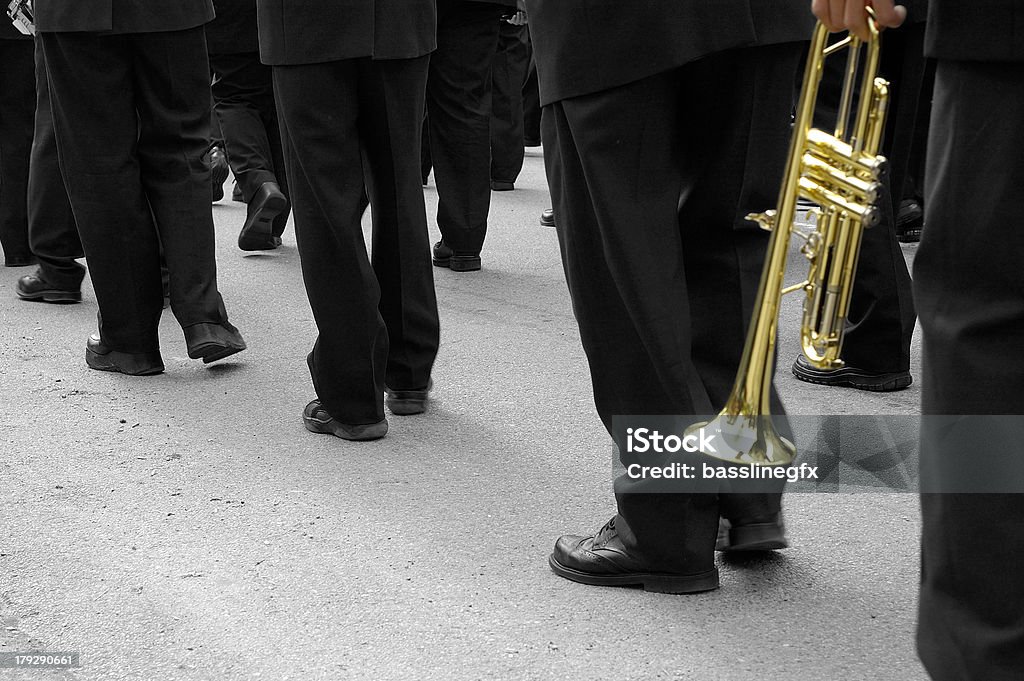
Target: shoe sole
column 212, row 352
column 852, row 378
column 459, row 263
column 258, row 231
column 123, row 363
column 650, row 581
column 219, row 175
column 52, row 296
column 372, row 431
column 756, row 537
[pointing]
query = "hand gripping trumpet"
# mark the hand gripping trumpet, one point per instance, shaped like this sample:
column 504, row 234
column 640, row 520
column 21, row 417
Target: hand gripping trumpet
column 840, row 173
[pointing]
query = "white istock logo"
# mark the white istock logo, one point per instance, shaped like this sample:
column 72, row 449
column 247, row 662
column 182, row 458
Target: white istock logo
column 647, row 440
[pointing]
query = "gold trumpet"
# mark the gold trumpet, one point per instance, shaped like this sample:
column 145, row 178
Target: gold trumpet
column 841, row 174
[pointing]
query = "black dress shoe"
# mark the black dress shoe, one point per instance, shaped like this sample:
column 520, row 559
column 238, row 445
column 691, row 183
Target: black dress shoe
column 217, row 161
column 547, row 217
column 317, row 420
column 99, row 356
column 211, row 342
column 444, row 256
column 258, row 231
column 851, row 377
column 909, row 221
column 602, row 560
column 35, row 287
column 500, row 186
column 407, row 402
column 767, row 535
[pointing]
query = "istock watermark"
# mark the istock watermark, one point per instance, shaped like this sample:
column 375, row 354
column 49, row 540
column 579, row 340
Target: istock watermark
column 642, row 440
column 707, row 471
column 834, row 454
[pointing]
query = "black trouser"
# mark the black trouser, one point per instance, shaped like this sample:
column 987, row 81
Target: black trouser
column 531, row 98
column 346, row 123
column 459, row 118
column 913, row 182
column 132, row 119
column 17, row 104
column 52, row 230
column 243, row 94
column 508, row 72
column 650, row 193
column 970, row 297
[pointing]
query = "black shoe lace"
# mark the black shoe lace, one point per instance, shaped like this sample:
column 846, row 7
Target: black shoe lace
column 605, row 532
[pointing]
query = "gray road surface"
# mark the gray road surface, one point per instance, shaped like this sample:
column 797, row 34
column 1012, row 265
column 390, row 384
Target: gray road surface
column 186, row 526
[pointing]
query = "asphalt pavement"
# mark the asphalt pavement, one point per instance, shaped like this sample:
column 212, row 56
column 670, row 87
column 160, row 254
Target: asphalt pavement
column 186, row 525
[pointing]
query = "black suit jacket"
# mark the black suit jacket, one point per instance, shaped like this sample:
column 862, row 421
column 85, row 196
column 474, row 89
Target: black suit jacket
column 233, row 31
column 979, row 30
column 121, row 16
column 314, row 31
column 585, row 46
column 917, row 10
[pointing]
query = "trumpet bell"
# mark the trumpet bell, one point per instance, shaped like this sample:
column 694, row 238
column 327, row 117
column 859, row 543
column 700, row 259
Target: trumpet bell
column 746, row 440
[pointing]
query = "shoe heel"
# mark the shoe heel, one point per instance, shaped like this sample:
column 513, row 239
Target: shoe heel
column 401, row 405
column 62, row 297
column 259, row 229
column 140, row 364
column 682, row 584
column 758, row 537
column 464, row 263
